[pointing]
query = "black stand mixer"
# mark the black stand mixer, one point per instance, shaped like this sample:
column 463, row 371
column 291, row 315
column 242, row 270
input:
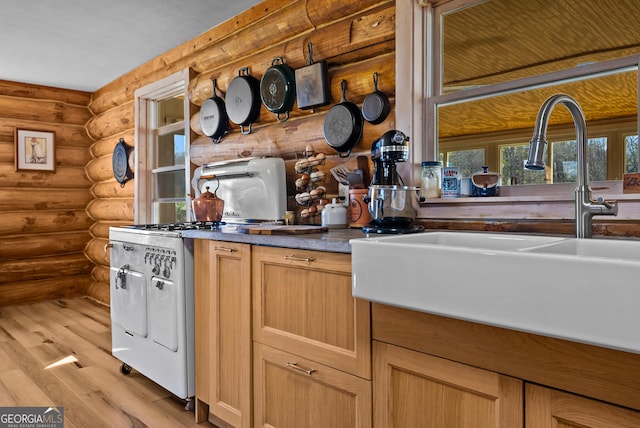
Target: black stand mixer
column 386, row 151
column 392, row 204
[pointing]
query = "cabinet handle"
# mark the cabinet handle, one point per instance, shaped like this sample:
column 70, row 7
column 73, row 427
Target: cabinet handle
column 228, row 250
column 299, row 259
column 295, row 366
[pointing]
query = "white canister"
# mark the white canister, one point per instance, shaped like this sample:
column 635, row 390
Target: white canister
column 334, row 215
column 465, row 186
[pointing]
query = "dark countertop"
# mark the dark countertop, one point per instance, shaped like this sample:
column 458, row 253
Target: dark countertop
column 334, row 240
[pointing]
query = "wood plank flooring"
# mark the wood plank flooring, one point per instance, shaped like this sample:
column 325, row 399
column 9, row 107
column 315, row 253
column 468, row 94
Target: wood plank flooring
column 58, row 353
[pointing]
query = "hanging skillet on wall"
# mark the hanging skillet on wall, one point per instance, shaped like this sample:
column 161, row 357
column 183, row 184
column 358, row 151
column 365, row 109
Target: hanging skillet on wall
column 243, row 100
column 214, row 122
column 312, row 84
column 343, row 125
column 120, row 162
column 278, row 89
column 375, row 107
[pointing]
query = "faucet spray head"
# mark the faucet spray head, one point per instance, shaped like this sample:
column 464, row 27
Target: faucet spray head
column 535, row 161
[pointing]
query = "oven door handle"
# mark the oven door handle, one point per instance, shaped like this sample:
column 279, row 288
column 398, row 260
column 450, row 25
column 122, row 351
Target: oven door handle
column 124, row 246
column 121, row 277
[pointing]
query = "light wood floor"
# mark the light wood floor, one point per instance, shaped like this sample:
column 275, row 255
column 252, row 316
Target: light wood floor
column 58, row 353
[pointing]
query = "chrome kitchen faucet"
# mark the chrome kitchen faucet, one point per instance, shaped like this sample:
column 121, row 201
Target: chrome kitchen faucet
column 585, row 207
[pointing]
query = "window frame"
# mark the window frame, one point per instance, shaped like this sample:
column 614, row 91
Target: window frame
column 418, row 32
column 144, row 134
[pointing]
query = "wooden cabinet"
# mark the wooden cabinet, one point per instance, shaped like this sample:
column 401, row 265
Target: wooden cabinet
column 413, row 389
column 302, row 303
column 223, row 332
column 296, row 392
column 549, row 408
column 312, row 339
column 311, row 362
column 419, row 390
column 429, row 366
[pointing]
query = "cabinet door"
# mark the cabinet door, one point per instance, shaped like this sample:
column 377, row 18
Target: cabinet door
column 293, row 392
column 412, row 389
column 303, row 304
column 223, row 331
column 549, row 408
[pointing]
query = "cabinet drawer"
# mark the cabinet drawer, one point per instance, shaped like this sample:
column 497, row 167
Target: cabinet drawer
column 302, row 303
column 293, row 392
column 548, row 408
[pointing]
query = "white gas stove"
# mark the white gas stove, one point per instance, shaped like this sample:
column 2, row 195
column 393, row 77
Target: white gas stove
column 151, row 273
column 151, row 281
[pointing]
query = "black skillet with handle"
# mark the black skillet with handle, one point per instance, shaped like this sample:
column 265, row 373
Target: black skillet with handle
column 243, row 100
column 343, row 124
column 122, row 171
column 376, row 106
column 312, row 84
column 278, row 89
column 214, row 122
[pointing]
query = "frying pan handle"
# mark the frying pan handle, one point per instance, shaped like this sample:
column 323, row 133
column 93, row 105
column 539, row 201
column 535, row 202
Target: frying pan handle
column 246, row 131
column 345, row 154
column 282, row 119
column 214, row 82
column 343, row 91
column 310, row 53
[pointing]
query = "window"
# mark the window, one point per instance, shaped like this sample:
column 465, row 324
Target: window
column 564, row 162
column 512, row 173
column 631, row 154
column 162, row 151
column 469, row 160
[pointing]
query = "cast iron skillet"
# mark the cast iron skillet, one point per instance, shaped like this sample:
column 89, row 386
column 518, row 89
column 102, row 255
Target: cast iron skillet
column 343, row 125
column 375, row 107
column 243, row 100
column 312, row 84
column 120, row 162
column 278, row 89
column 214, row 122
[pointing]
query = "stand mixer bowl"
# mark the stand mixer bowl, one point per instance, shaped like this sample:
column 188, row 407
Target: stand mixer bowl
column 393, row 206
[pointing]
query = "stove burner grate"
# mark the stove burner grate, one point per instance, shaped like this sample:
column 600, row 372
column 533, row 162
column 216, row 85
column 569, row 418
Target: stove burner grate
column 197, row 225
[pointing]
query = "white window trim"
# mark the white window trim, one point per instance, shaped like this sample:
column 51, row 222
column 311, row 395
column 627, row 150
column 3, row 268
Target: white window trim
column 169, row 86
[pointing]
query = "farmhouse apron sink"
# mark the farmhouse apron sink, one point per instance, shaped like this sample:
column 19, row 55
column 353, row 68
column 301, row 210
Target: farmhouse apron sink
column 584, row 290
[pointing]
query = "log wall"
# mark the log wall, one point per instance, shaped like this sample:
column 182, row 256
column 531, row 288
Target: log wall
column 44, row 225
column 355, row 38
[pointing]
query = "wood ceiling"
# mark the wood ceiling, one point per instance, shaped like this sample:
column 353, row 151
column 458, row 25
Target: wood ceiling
column 504, row 40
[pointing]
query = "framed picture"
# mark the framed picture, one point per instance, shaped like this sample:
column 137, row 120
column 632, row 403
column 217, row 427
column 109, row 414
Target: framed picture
column 35, row 150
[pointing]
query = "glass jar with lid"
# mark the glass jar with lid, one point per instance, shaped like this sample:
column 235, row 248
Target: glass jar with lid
column 430, row 180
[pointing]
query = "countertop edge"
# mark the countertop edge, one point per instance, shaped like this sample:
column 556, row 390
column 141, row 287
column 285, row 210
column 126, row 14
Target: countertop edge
column 334, row 240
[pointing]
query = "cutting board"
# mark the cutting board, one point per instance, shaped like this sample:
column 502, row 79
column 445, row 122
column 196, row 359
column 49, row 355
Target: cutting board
column 275, row 229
